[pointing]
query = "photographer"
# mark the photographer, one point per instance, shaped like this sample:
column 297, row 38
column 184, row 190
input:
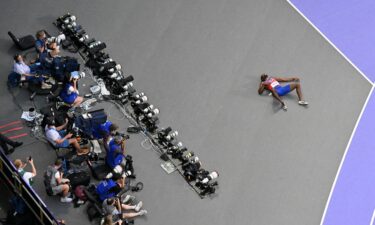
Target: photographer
column 116, row 151
column 28, row 73
column 4, row 142
column 40, row 43
column 69, row 94
column 27, row 176
column 52, row 62
column 114, row 207
column 110, row 187
column 60, row 138
column 59, row 184
column 105, row 131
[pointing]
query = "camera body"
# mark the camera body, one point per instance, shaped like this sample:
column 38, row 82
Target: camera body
column 57, row 40
column 124, row 136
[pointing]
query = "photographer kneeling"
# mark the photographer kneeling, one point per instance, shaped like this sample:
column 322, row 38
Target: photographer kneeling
column 69, row 94
column 27, row 176
column 116, row 151
column 58, row 184
column 60, row 138
column 28, row 73
column 105, row 131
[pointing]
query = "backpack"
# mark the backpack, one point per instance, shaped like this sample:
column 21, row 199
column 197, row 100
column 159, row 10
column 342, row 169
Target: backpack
column 71, row 64
column 103, row 189
column 79, row 193
column 49, row 180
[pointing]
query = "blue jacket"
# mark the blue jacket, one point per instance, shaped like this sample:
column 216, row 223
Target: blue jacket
column 114, row 158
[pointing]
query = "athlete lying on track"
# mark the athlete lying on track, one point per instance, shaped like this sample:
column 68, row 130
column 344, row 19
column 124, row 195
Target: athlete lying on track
column 272, row 84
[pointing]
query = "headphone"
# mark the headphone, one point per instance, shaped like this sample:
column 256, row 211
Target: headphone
column 50, row 121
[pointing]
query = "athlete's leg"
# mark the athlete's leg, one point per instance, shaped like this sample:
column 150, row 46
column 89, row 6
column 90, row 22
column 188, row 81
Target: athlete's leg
column 297, row 86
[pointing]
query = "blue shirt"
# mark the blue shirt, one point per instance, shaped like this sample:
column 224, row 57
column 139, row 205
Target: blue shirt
column 102, row 130
column 40, row 44
column 114, row 158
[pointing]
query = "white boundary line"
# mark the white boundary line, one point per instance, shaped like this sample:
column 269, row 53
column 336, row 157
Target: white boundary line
column 334, row 46
column 357, row 122
column 344, row 156
column 372, row 218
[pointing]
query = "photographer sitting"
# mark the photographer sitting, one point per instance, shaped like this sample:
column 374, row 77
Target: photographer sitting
column 105, row 131
column 28, row 73
column 69, row 93
column 114, row 207
column 52, row 62
column 60, row 138
column 116, row 151
column 59, row 184
column 27, row 176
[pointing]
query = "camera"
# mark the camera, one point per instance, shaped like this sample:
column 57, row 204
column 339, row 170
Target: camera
column 82, row 38
column 119, row 170
column 114, row 68
column 129, row 166
column 205, row 182
column 69, row 19
column 125, row 136
column 116, row 75
column 57, row 40
column 191, row 168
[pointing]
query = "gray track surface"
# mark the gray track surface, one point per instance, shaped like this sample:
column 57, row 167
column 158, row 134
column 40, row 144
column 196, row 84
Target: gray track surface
column 199, row 62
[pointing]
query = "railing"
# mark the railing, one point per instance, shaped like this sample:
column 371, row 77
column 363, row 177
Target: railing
column 13, row 180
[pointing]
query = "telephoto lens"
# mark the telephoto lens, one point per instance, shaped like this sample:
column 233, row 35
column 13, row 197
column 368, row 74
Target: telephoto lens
column 82, row 38
column 141, row 99
column 147, row 109
column 96, row 43
column 116, row 74
column 172, row 135
column 211, row 176
column 70, row 19
column 128, row 86
column 113, row 69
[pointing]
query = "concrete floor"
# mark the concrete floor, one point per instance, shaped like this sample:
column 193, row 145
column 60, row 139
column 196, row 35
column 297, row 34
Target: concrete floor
column 199, row 62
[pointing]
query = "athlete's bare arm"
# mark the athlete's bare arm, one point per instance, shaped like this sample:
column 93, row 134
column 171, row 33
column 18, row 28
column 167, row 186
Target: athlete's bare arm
column 261, row 88
column 286, row 79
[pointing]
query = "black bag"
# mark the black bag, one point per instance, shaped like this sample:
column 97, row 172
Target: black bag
column 96, row 118
column 99, row 170
column 80, row 178
column 71, row 64
column 63, row 152
column 48, row 176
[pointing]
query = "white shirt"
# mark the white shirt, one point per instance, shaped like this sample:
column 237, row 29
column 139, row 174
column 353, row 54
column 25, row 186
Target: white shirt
column 21, row 68
column 57, row 175
column 52, row 134
column 26, row 176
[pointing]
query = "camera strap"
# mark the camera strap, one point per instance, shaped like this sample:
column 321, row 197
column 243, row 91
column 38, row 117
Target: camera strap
column 138, row 187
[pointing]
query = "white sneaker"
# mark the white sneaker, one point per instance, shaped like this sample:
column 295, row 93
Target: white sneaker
column 142, row 212
column 46, row 86
column 139, row 206
column 51, row 80
column 285, row 107
column 303, row 102
column 66, row 200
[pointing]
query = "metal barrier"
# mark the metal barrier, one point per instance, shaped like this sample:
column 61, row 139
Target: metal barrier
column 14, row 181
